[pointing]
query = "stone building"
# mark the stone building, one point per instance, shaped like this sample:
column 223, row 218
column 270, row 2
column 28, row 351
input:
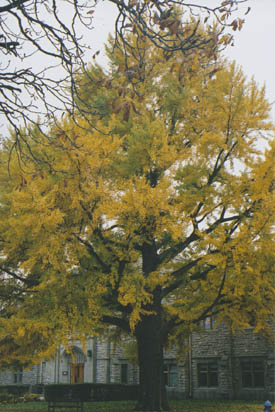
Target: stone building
column 218, row 365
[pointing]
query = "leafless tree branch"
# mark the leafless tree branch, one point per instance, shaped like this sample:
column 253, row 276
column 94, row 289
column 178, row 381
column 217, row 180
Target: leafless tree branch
column 42, row 28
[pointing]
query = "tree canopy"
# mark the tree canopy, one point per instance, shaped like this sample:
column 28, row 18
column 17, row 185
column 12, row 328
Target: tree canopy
column 157, row 217
column 44, row 44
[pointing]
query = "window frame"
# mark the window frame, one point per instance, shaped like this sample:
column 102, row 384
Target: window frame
column 208, row 323
column 211, row 369
column 249, row 372
column 124, row 373
column 18, row 375
column 170, row 376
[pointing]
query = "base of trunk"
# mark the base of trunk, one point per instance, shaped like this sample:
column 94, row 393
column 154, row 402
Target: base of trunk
column 146, row 408
column 152, row 398
column 152, row 395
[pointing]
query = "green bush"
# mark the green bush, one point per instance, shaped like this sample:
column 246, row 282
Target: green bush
column 87, row 392
column 17, row 394
column 17, row 390
column 37, row 388
column 4, row 397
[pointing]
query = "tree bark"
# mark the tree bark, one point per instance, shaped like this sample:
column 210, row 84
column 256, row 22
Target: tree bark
column 152, row 396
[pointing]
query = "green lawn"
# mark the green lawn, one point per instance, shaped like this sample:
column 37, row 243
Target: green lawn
column 176, row 406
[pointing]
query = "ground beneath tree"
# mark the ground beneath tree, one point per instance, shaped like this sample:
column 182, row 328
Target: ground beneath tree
column 176, row 406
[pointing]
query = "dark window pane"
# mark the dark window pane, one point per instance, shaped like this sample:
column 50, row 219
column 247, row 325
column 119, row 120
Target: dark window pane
column 18, row 376
column 247, row 366
column 124, row 373
column 203, row 379
column 203, row 367
column 258, row 366
column 213, row 378
column 208, row 375
column 253, row 374
column 247, row 380
column 259, row 379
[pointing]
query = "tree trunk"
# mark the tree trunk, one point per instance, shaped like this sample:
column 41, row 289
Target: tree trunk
column 152, row 395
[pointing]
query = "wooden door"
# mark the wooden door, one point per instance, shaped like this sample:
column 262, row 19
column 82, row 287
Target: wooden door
column 77, row 372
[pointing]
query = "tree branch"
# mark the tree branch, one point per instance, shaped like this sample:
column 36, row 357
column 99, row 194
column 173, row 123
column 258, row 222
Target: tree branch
column 114, row 321
column 17, row 277
column 89, row 247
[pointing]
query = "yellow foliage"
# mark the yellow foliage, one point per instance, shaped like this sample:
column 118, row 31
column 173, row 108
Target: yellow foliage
column 159, row 205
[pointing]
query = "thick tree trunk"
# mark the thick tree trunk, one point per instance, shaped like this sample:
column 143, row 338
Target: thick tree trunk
column 152, row 395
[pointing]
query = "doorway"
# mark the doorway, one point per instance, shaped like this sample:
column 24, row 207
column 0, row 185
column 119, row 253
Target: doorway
column 77, row 373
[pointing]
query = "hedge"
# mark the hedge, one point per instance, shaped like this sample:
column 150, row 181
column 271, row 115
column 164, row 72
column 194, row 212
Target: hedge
column 18, row 390
column 88, row 392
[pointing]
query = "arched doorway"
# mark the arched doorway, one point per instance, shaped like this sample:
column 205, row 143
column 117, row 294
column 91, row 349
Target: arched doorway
column 77, row 368
column 77, row 361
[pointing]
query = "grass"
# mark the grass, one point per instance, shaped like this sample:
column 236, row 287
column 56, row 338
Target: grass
column 176, row 406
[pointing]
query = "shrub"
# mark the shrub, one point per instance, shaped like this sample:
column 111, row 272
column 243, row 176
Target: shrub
column 4, row 397
column 87, row 392
column 37, row 388
column 17, row 390
column 17, row 394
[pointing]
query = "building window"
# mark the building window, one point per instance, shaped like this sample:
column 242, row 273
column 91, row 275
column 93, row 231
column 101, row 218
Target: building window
column 43, row 370
column 208, row 323
column 170, row 374
column 252, row 373
column 18, row 376
column 208, row 375
column 124, row 373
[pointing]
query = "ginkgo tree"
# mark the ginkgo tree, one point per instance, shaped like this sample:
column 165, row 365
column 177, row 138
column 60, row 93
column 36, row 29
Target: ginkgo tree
column 157, row 217
column 45, row 43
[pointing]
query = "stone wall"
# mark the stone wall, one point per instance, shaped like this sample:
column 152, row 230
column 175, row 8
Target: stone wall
column 29, row 376
column 106, row 362
column 229, row 351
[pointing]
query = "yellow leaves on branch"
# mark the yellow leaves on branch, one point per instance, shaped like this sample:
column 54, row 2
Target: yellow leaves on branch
column 165, row 188
column 19, row 337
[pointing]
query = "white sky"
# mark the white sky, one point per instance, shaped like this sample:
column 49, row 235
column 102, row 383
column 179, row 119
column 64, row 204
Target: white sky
column 254, row 47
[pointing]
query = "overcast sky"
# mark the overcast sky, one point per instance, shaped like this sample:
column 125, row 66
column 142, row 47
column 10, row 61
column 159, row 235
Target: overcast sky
column 254, row 47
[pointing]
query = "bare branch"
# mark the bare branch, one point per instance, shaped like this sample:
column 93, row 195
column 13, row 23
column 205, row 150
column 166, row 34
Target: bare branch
column 38, row 27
